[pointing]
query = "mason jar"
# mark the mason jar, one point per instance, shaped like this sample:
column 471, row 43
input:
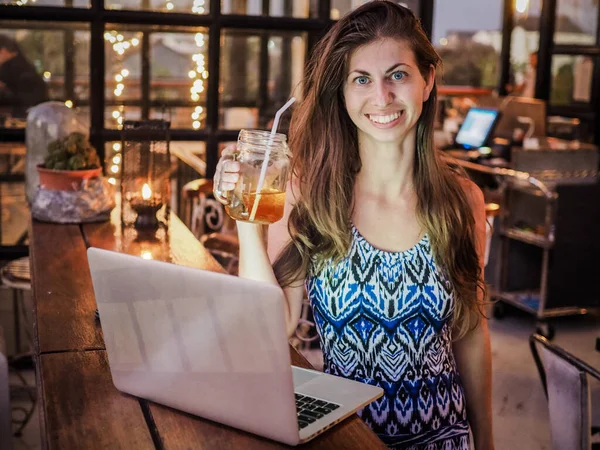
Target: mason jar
column 249, row 202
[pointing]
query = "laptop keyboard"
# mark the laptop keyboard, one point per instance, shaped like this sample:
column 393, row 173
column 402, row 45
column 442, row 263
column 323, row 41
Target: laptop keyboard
column 310, row 409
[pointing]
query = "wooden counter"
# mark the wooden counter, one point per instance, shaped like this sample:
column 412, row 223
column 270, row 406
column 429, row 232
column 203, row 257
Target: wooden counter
column 79, row 406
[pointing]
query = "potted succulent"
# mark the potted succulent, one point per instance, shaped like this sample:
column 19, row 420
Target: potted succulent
column 69, row 162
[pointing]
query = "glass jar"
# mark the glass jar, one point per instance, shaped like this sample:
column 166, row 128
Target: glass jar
column 249, row 202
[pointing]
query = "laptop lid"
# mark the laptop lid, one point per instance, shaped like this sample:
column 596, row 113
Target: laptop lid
column 206, row 343
column 477, row 127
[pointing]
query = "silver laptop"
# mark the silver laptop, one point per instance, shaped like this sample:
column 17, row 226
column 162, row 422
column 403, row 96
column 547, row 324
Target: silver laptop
column 213, row 345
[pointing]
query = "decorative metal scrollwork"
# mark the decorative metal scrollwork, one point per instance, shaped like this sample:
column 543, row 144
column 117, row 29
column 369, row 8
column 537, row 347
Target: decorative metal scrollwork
column 206, row 213
column 214, row 215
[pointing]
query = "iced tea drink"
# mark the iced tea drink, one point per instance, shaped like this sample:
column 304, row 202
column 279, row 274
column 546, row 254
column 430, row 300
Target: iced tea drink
column 269, row 208
column 244, row 203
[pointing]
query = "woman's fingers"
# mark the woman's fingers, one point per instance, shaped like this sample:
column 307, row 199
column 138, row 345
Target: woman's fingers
column 229, row 180
column 228, row 150
column 231, row 167
column 227, row 173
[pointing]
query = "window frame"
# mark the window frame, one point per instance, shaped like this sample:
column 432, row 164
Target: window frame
column 97, row 16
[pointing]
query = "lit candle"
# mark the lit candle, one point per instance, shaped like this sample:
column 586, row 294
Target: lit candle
column 146, row 192
column 146, row 208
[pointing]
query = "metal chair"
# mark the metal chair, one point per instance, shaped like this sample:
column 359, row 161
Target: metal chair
column 16, row 276
column 5, row 411
column 565, row 379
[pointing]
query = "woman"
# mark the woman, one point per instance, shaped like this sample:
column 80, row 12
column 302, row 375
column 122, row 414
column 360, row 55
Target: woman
column 386, row 238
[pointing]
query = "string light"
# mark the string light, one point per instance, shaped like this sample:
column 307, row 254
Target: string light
column 199, row 72
column 120, row 46
column 522, row 6
column 198, row 7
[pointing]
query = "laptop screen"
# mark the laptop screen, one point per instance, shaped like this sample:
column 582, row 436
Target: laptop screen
column 477, row 127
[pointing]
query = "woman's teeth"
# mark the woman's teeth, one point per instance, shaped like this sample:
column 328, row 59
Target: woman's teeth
column 384, row 119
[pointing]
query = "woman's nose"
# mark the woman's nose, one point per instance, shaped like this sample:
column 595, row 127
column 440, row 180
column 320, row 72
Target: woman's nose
column 384, row 95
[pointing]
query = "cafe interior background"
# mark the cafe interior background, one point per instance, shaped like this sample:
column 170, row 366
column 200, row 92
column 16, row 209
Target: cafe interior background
column 213, row 67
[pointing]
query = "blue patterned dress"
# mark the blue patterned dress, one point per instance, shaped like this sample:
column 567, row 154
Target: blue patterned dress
column 384, row 318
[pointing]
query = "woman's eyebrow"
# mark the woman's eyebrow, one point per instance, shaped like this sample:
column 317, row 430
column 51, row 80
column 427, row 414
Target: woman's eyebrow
column 391, row 69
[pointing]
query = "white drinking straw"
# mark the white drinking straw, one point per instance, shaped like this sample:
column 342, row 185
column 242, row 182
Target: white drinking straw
column 263, row 169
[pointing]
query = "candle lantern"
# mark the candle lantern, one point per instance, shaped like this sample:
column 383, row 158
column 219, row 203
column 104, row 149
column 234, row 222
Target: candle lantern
column 145, row 174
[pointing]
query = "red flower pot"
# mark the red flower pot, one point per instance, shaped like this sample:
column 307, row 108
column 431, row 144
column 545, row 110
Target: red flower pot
column 65, row 180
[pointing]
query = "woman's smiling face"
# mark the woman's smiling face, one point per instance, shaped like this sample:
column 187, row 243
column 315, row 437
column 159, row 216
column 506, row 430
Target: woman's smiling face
column 384, row 90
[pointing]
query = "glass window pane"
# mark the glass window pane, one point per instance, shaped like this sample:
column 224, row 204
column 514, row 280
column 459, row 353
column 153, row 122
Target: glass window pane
column 193, row 154
column 68, row 3
column 277, row 8
column 46, row 61
column 576, row 22
column 179, row 76
column 177, row 63
column 179, row 6
column 295, row 8
column 287, row 53
column 123, row 74
column 239, row 79
column 244, row 104
column 524, row 44
column 248, row 7
column 342, row 7
column 469, row 44
column 571, row 79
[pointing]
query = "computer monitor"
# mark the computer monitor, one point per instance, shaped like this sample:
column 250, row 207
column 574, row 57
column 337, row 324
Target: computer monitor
column 512, row 108
column 516, row 107
column 477, row 127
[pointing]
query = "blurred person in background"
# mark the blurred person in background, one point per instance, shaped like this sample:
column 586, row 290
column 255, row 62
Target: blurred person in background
column 527, row 87
column 21, row 86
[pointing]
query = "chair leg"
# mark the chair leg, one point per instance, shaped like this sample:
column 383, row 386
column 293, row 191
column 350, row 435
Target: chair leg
column 17, row 319
column 5, row 411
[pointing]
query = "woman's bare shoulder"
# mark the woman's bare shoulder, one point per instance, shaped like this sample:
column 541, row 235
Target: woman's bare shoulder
column 472, row 192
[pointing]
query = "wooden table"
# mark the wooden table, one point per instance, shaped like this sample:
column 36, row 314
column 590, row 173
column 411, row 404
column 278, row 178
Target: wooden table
column 79, row 406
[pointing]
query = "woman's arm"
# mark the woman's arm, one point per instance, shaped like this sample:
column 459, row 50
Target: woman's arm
column 255, row 262
column 472, row 353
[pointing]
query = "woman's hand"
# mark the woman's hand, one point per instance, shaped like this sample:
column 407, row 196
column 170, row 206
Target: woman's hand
column 227, row 173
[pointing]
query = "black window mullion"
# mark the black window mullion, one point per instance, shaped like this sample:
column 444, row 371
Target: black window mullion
column 97, row 80
column 48, row 13
column 285, row 87
column 598, row 28
column 212, row 95
column 263, row 79
column 426, row 16
column 576, row 50
column 263, row 71
column 145, row 74
column 324, row 12
column 543, row 73
column 507, row 29
column 595, row 100
column 69, row 62
column 69, row 55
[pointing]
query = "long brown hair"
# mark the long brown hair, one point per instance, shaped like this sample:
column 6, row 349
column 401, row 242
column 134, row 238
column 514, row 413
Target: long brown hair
column 324, row 144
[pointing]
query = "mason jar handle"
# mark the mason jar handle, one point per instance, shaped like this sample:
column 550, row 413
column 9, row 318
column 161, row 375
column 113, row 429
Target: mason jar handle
column 221, row 195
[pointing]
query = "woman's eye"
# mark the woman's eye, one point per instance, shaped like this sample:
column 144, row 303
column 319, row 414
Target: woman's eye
column 398, row 76
column 361, row 80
